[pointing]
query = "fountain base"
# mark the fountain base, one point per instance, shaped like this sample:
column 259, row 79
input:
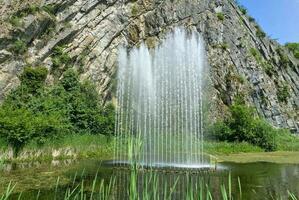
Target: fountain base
column 164, row 166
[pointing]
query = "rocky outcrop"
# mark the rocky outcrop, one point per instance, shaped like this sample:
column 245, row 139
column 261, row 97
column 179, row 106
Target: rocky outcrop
column 243, row 62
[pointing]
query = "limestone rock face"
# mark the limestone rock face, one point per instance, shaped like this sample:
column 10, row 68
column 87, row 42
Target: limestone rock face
column 242, row 61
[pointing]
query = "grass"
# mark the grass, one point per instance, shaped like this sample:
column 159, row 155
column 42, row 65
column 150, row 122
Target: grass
column 102, row 147
column 81, row 146
column 149, row 185
column 287, row 142
column 287, row 151
column 280, row 157
column 225, row 148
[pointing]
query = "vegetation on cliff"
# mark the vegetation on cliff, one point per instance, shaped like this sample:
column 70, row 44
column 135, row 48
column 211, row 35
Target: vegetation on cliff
column 37, row 112
column 243, row 125
column 294, row 48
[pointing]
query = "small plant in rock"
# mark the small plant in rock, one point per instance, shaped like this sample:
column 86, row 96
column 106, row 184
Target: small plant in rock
column 15, row 21
column 294, row 48
column 51, row 9
column 220, row 16
column 134, row 10
column 284, row 60
column 224, row 46
column 259, row 32
column 268, row 68
column 243, row 10
column 18, row 47
column 256, row 54
column 283, row 93
column 59, row 57
column 251, row 19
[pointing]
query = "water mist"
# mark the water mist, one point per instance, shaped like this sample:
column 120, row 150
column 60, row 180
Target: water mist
column 159, row 101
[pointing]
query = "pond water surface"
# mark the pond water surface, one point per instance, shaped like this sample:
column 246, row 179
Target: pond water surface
column 51, row 180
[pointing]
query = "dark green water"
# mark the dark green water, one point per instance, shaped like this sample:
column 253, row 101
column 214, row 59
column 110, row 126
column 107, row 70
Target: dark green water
column 258, row 180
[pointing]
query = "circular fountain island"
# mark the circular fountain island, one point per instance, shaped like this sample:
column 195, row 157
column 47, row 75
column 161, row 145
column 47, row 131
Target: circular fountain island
column 159, row 100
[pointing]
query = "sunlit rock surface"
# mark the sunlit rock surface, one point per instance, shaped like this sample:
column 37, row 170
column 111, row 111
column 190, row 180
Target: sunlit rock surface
column 241, row 63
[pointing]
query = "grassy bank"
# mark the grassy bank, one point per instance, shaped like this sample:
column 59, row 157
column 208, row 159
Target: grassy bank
column 70, row 146
column 101, row 147
column 287, row 151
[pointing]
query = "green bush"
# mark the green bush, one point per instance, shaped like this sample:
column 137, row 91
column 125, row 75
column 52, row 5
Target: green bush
column 33, row 78
column 220, row 16
column 134, row 10
column 243, row 10
column 19, row 126
column 50, row 9
column 251, row 19
column 36, row 112
column 294, row 48
column 242, row 126
column 259, row 32
column 18, row 47
column 59, row 57
column 284, row 60
column 283, row 93
column 15, row 21
column 16, row 18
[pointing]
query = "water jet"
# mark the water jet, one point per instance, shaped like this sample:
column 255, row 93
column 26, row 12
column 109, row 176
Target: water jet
column 160, row 103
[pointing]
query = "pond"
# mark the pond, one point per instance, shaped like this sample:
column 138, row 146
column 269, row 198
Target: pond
column 55, row 180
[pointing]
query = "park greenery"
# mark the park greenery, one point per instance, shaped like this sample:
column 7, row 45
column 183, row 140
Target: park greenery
column 243, row 125
column 36, row 112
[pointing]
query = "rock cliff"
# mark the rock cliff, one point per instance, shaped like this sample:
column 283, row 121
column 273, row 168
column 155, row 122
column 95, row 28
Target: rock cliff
column 85, row 34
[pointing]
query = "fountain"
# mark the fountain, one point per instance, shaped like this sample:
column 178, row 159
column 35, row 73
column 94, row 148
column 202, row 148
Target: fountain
column 159, row 103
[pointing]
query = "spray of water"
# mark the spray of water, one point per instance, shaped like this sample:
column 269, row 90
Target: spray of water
column 159, row 100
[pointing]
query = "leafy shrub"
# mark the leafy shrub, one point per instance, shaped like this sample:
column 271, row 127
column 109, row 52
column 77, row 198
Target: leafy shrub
column 224, row 46
column 134, row 10
column 284, row 60
column 294, row 48
column 16, row 18
column 256, row 54
column 283, row 93
column 15, row 21
column 18, row 47
column 50, row 9
column 18, row 126
column 242, row 126
column 220, row 16
column 251, row 19
column 36, row 112
column 33, row 78
column 59, row 57
column 243, row 10
column 259, row 32
column 268, row 68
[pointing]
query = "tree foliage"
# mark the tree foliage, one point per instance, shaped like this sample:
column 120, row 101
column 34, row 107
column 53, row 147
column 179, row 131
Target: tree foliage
column 34, row 111
column 243, row 126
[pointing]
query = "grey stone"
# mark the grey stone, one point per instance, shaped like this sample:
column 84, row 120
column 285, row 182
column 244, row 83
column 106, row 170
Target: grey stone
column 99, row 27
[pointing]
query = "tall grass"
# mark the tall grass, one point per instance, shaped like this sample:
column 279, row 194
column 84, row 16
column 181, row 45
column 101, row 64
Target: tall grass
column 151, row 188
column 136, row 184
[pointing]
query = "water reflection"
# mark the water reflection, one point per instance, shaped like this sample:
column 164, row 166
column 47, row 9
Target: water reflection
column 258, row 180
